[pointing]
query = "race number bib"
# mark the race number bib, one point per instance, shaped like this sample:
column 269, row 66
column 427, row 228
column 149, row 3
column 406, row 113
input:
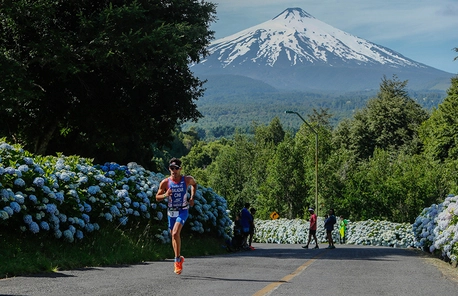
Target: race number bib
column 173, row 214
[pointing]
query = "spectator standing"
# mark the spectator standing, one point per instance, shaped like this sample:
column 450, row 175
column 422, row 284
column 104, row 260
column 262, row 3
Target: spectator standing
column 312, row 229
column 343, row 229
column 329, row 225
column 245, row 221
column 252, row 228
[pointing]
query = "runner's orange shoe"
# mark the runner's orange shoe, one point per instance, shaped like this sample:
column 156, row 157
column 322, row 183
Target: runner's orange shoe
column 179, row 265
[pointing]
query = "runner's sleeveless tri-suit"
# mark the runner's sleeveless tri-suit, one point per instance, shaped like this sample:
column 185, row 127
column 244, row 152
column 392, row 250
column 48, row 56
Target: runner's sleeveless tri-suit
column 177, row 203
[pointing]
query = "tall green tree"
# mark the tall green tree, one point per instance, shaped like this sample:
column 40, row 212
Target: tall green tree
column 101, row 79
column 389, row 121
column 229, row 174
column 200, row 157
column 284, row 189
column 439, row 133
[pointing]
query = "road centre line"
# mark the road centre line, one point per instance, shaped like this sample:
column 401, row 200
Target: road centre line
column 273, row 286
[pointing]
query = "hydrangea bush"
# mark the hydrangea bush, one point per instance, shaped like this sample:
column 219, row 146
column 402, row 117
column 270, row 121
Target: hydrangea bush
column 70, row 197
column 377, row 233
column 436, row 229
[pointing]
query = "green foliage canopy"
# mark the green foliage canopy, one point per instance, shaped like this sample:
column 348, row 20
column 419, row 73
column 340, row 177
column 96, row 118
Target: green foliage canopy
column 439, row 133
column 100, row 79
column 389, row 121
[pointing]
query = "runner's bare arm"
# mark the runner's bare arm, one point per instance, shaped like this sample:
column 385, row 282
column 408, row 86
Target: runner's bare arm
column 163, row 191
column 191, row 182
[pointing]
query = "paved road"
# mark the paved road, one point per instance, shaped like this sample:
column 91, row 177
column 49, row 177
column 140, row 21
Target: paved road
column 271, row 269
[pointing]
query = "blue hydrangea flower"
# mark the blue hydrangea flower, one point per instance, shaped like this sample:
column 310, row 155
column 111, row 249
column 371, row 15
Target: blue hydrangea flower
column 38, row 170
column 10, row 170
column 8, row 210
column 93, row 189
column 79, row 234
column 19, row 182
column 34, row 227
column 5, row 146
column 62, row 218
column 46, row 189
column 68, row 235
column 143, row 208
column 123, row 220
column 159, row 215
column 81, row 223
column 87, row 207
column 85, row 217
column 59, row 196
column 27, row 219
column 122, row 193
column 39, row 182
column 58, row 233
column 83, row 179
column 4, row 215
column 73, row 192
column 19, row 198
column 72, row 229
column 28, row 160
column 108, row 217
column 89, row 227
column 33, row 198
column 54, row 220
column 64, row 177
column 114, row 211
column 51, row 208
column 44, row 225
column 23, row 168
column 60, row 165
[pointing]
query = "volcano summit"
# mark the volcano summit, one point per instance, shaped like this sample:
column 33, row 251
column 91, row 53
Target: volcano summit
column 296, row 51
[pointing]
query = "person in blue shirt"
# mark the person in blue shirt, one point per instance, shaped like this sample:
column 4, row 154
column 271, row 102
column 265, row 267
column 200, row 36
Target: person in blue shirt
column 329, row 225
column 245, row 221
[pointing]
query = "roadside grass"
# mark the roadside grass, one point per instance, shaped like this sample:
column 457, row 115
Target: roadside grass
column 23, row 255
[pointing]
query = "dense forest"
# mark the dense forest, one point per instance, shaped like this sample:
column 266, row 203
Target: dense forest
column 388, row 160
column 224, row 113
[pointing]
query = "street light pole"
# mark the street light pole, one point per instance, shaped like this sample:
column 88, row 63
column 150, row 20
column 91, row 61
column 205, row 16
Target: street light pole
column 316, row 157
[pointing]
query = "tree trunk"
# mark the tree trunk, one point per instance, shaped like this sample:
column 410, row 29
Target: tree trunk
column 41, row 144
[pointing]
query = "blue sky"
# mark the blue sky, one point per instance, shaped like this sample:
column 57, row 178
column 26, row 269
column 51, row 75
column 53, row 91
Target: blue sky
column 423, row 30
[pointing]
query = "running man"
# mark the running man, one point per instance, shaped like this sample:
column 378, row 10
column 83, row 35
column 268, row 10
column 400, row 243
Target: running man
column 175, row 188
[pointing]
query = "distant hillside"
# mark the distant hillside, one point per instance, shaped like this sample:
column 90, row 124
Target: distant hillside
column 234, row 85
column 224, row 113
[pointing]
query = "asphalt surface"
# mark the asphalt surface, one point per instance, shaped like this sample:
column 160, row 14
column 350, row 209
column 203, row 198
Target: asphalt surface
column 270, row 269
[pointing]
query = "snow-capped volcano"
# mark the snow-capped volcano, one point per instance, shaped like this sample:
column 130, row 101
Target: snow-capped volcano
column 301, row 39
column 294, row 50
